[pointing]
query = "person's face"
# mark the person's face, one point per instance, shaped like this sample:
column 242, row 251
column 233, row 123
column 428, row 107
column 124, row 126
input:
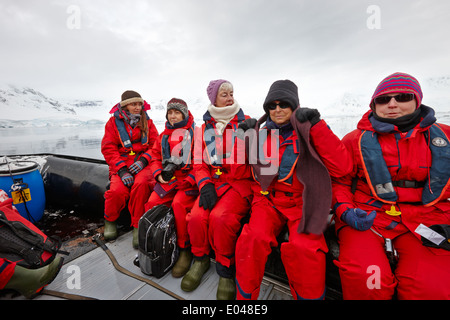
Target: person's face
column 395, row 109
column 174, row 116
column 278, row 114
column 224, row 98
column 134, row 108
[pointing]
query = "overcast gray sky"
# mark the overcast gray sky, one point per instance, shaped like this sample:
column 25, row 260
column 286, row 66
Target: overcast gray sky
column 96, row 49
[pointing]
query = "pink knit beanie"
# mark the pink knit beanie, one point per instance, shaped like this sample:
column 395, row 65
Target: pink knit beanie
column 399, row 83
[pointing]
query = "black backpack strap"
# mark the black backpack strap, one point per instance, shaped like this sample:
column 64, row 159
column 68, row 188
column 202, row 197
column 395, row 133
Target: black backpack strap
column 18, row 240
column 354, row 183
column 14, row 247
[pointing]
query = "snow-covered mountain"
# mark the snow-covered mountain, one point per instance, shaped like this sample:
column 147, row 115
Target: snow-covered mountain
column 26, row 107
column 21, row 107
column 344, row 114
column 26, row 103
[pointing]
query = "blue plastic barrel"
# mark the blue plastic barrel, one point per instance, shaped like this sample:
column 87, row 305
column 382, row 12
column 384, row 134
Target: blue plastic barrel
column 22, row 181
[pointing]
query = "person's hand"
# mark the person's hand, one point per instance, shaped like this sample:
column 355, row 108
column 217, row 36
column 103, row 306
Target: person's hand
column 126, row 177
column 137, row 167
column 358, row 219
column 247, row 124
column 244, row 126
column 208, row 196
column 307, row 114
column 161, row 179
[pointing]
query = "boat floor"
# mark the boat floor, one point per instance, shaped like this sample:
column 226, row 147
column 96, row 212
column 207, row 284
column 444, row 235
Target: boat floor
column 99, row 279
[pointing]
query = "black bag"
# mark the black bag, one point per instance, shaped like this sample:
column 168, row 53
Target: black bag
column 158, row 249
column 443, row 230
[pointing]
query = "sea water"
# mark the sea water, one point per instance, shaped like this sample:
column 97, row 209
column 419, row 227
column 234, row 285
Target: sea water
column 82, row 141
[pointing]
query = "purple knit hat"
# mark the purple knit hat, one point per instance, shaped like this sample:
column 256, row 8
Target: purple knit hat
column 398, row 83
column 213, row 88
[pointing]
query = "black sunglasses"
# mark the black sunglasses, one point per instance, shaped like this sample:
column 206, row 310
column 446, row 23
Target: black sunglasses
column 402, row 97
column 282, row 105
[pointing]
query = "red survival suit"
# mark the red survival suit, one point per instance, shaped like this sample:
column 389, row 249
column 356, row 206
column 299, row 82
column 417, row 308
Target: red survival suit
column 123, row 145
column 417, row 165
column 6, row 271
column 214, row 155
column 303, row 255
column 181, row 192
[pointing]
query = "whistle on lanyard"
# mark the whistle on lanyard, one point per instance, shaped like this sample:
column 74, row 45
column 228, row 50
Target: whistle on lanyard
column 393, row 212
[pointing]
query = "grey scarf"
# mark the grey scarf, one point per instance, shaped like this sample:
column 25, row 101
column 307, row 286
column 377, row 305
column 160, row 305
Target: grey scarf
column 131, row 119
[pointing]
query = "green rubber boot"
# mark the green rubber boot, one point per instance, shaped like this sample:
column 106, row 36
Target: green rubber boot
column 135, row 238
column 194, row 276
column 110, row 232
column 29, row 282
column 183, row 263
column 226, row 289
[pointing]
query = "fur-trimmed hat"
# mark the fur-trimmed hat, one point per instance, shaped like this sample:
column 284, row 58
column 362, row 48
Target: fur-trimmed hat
column 130, row 96
column 179, row 105
column 282, row 90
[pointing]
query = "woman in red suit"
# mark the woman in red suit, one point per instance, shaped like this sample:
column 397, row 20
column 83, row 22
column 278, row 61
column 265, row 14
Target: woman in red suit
column 214, row 220
column 129, row 135
column 172, row 167
column 399, row 182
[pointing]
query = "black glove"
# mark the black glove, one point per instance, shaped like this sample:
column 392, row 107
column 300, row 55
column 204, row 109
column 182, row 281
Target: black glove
column 126, row 177
column 307, row 114
column 208, row 196
column 247, row 124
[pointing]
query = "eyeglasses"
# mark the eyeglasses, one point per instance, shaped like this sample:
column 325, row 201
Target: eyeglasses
column 402, row 97
column 281, row 104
